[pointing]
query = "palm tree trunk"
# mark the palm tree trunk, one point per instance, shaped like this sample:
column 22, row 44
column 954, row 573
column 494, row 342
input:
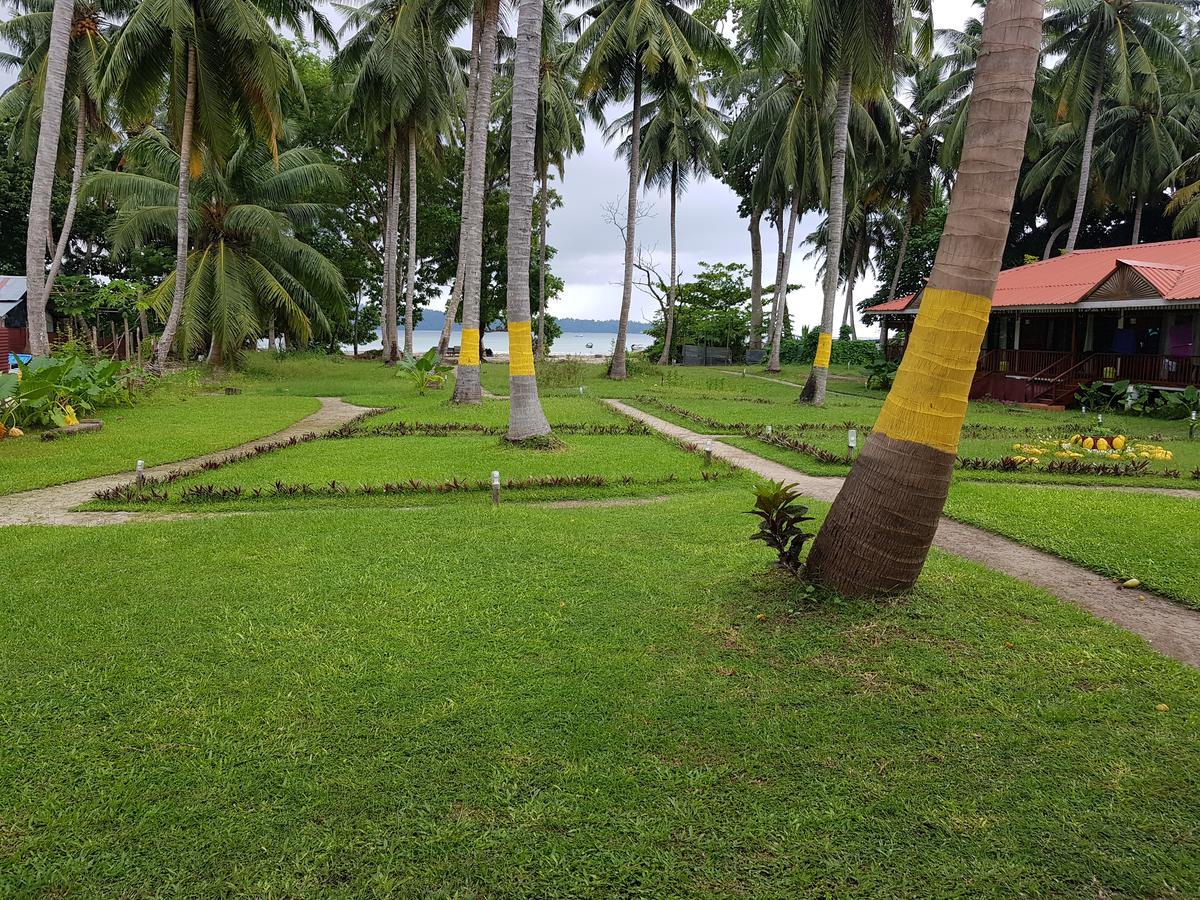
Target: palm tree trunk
column 1138, row 206
column 814, row 388
column 1085, row 166
column 673, row 287
column 848, row 315
column 543, row 199
column 43, row 175
column 214, row 353
column 755, row 280
column 779, row 311
column 877, row 535
column 410, row 288
column 144, row 328
column 393, row 323
column 64, row 237
column 774, row 333
column 182, row 211
column 467, row 387
column 617, row 369
column 128, row 348
column 271, row 335
column 525, row 416
column 1053, row 237
column 900, row 255
column 456, row 289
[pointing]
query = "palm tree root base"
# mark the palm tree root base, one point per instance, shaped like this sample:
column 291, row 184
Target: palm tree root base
column 877, row 535
column 526, row 421
column 808, row 393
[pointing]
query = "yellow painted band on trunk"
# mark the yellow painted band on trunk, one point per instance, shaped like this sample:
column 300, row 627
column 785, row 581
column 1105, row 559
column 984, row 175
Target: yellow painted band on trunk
column 468, row 354
column 824, row 346
column 520, row 349
column 928, row 400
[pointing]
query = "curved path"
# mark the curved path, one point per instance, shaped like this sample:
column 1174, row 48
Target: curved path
column 54, row 505
column 1168, row 627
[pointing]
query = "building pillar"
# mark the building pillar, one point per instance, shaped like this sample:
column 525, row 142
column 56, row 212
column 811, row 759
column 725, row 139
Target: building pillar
column 1017, row 334
column 1089, row 334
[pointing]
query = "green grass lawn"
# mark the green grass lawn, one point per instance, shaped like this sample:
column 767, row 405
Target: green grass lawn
column 352, row 702
column 159, row 428
column 1151, row 537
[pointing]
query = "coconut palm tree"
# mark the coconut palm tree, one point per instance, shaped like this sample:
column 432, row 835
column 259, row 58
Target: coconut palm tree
column 853, row 42
column 879, row 530
column 467, row 386
column 54, row 87
column 680, row 137
column 560, row 135
column 1109, row 47
column 626, row 41
column 223, row 71
column 405, row 83
column 525, row 417
column 246, row 265
column 29, row 32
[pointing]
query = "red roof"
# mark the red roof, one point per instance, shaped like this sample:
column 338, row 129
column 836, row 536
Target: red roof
column 1171, row 267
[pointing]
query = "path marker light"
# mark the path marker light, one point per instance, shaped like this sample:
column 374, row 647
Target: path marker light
column 708, row 453
column 852, row 439
column 495, row 488
column 141, row 472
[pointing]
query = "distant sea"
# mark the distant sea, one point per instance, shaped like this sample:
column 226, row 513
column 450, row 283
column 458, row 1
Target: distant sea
column 599, row 343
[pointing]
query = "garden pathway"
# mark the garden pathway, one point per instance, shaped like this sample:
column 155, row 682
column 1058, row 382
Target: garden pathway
column 54, row 505
column 1168, row 627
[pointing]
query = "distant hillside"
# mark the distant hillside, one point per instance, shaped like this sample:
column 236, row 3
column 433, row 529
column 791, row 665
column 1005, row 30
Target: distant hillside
column 432, row 320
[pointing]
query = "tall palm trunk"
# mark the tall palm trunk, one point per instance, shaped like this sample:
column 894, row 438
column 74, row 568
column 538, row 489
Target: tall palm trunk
column 814, row 387
column 389, row 260
column 1138, row 206
column 779, row 310
column 64, row 237
column 674, row 285
column 848, row 315
column 525, row 416
column 456, row 289
column 410, row 288
column 755, row 280
column 182, row 211
column 43, row 174
column 877, row 535
column 776, row 304
column 543, row 198
column 1053, row 237
column 901, row 253
column 467, row 386
column 1085, row 166
column 393, row 218
column 617, row 368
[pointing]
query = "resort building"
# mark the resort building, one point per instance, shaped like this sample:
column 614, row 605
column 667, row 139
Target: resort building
column 1109, row 314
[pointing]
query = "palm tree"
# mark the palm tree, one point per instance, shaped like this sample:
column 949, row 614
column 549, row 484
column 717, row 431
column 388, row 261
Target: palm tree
column 246, row 265
column 405, row 84
column 467, row 386
column 854, row 40
column 879, row 530
column 525, row 416
column 57, row 51
column 1108, row 46
column 29, row 32
column 559, row 134
column 923, row 119
column 680, row 142
column 223, row 71
column 625, row 41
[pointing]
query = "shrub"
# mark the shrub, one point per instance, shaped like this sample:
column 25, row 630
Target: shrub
column 562, row 373
column 780, row 518
column 53, row 390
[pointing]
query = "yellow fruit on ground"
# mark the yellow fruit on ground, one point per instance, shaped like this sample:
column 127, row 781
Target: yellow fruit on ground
column 1119, row 442
column 1162, row 707
column 13, row 432
column 1114, row 456
column 1131, row 583
column 1144, row 455
column 3, row 432
column 1016, row 446
column 1088, row 443
column 1076, row 438
column 1102, row 445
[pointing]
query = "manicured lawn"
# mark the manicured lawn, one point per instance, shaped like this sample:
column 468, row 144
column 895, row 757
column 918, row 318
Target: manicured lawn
column 552, row 702
column 159, row 428
column 1150, row 537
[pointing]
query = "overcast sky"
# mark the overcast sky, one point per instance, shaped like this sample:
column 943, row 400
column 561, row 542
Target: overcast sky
column 590, row 251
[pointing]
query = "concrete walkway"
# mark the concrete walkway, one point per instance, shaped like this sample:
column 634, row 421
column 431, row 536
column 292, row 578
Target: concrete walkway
column 54, row 505
column 1168, row 627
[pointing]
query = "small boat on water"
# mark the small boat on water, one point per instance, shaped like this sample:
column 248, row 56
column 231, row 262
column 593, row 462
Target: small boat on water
column 588, row 346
